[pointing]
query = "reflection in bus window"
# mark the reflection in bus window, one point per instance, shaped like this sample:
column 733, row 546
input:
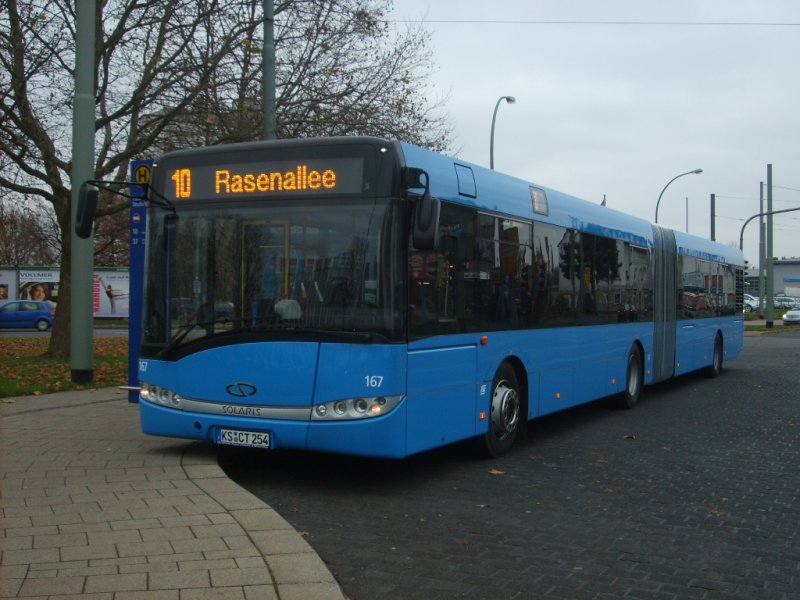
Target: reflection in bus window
column 276, row 267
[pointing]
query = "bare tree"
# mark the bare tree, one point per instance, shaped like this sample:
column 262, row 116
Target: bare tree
column 29, row 235
column 344, row 70
column 341, row 70
column 173, row 73
column 111, row 240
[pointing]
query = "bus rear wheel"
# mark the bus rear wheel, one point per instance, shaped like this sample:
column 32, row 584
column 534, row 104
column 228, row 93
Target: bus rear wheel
column 634, row 378
column 715, row 368
column 504, row 413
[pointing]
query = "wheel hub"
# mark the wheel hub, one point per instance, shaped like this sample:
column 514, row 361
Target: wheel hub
column 505, row 410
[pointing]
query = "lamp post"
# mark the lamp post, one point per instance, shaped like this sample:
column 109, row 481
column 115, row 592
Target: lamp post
column 695, row 172
column 509, row 100
column 268, row 70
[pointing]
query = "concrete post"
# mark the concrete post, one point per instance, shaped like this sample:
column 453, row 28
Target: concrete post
column 82, row 263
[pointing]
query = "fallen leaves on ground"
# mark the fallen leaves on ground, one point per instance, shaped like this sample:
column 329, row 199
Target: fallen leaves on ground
column 26, row 369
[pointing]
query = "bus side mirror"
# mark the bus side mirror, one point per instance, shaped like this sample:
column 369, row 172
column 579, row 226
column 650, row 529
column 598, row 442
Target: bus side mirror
column 425, row 228
column 426, row 223
column 87, row 206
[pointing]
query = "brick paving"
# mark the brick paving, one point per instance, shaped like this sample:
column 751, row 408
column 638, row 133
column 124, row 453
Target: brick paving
column 694, row 494
column 92, row 508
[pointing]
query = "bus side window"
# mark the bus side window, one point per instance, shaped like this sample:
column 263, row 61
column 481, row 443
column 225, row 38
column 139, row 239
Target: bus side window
column 437, row 278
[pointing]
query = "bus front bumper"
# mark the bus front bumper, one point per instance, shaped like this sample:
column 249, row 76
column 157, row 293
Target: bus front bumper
column 383, row 436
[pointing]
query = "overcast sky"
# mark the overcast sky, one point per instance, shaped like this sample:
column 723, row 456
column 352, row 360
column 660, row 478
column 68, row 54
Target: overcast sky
column 620, row 109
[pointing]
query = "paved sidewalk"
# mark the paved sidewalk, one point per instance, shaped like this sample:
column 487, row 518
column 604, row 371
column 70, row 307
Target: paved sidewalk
column 92, row 508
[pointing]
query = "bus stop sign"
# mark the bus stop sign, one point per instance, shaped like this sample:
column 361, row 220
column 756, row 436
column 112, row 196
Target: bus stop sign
column 140, row 176
column 141, row 172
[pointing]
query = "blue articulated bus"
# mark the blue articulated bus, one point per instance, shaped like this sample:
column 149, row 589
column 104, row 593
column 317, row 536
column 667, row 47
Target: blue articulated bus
column 369, row 297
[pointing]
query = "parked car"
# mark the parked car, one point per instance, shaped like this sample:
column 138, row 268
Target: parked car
column 783, row 302
column 27, row 313
column 223, row 310
column 750, row 303
column 792, row 317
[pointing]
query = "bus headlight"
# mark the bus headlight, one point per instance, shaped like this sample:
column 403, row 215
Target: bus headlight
column 159, row 395
column 355, row 408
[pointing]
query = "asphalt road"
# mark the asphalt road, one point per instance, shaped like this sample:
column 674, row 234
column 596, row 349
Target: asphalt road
column 693, row 494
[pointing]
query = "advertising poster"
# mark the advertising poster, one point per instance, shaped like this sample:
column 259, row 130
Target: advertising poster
column 8, row 284
column 38, row 284
column 111, row 293
column 111, row 289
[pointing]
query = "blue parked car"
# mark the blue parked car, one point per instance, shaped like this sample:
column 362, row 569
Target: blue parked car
column 27, row 313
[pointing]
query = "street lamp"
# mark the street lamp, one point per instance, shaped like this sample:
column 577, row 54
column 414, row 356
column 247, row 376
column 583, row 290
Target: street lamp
column 695, row 172
column 509, row 100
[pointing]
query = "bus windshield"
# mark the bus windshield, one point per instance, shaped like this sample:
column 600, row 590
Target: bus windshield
column 285, row 270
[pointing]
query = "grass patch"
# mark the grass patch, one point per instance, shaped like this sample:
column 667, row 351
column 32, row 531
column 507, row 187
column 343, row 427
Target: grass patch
column 24, row 369
column 776, row 328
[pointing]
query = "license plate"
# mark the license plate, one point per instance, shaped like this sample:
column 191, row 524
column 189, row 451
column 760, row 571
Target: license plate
column 236, row 437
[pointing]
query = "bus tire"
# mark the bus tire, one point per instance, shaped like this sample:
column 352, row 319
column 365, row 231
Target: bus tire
column 504, row 413
column 634, row 378
column 715, row 368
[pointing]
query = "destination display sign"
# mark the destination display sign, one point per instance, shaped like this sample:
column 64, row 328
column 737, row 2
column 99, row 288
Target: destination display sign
column 318, row 176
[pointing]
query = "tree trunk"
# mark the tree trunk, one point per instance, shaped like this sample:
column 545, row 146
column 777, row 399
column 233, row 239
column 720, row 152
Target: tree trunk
column 60, row 336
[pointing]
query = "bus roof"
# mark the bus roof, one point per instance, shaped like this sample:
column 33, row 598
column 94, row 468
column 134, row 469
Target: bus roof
column 470, row 184
column 466, row 183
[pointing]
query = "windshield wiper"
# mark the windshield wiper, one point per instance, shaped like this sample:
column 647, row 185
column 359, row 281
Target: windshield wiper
column 187, row 328
column 364, row 336
column 276, row 327
column 338, row 334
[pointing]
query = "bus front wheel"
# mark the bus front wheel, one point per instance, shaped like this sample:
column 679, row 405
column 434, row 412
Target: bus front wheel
column 504, row 413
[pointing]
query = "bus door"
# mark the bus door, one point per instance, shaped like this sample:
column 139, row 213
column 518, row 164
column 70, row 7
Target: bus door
column 265, row 268
column 442, row 394
column 665, row 296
